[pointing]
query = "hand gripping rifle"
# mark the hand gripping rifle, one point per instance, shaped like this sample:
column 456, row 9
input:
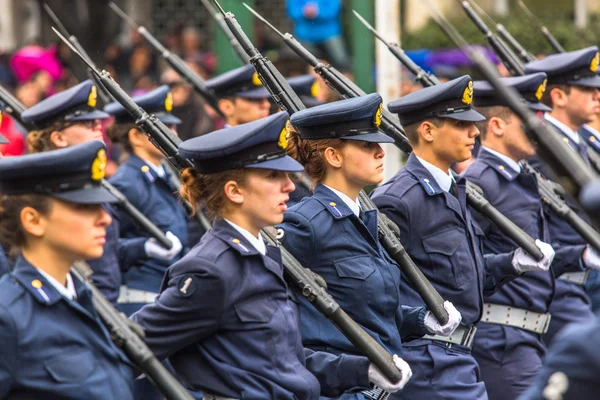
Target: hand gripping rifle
column 509, row 59
column 285, row 97
column 173, row 60
column 102, row 93
column 127, row 335
column 564, row 163
column 506, row 35
column 302, row 278
column 551, row 39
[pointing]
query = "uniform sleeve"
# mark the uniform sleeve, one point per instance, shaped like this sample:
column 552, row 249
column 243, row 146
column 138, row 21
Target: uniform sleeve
column 396, row 210
column 299, row 237
column 8, row 350
column 413, row 323
column 130, row 252
column 189, row 309
column 567, row 259
column 498, row 271
column 338, row 374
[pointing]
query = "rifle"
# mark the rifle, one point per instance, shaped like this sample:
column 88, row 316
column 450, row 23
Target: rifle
column 509, row 59
column 102, row 93
column 392, row 128
column 218, row 17
column 563, row 162
column 297, row 275
column 173, row 60
column 127, row 335
column 506, row 35
column 551, row 39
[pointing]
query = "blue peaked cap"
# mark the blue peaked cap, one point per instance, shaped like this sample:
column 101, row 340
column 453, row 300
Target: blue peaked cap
column 530, row 87
column 351, row 119
column 258, row 144
column 307, row 88
column 240, row 82
column 451, row 99
column 158, row 102
column 577, row 68
column 74, row 104
column 72, row 174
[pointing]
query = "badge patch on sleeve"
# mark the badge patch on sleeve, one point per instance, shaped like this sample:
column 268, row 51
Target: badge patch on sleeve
column 186, row 285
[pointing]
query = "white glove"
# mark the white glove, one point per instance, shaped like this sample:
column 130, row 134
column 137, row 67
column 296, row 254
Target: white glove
column 380, row 380
column 433, row 325
column 591, row 258
column 156, row 250
column 523, row 262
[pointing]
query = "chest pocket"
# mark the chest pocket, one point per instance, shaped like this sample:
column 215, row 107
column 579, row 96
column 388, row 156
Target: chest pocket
column 357, row 267
column 71, row 366
column 256, row 310
column 450, row 256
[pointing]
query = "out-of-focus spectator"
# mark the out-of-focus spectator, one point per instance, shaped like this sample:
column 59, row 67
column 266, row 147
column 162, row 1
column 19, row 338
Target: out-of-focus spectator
column 317, row 24
column 17, row 145
column 196, row 117
column 192, row 52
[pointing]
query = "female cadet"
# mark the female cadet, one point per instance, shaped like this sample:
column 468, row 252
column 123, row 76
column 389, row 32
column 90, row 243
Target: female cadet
column 69, row 118
column 224, row 317
column 338, row 143
column 52, row 342
column 147, row 185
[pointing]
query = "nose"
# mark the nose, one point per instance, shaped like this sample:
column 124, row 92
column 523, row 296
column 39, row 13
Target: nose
column 288, row 185
column 265, row 103
column 379, row 152
column 473, row 131
column 104, row 217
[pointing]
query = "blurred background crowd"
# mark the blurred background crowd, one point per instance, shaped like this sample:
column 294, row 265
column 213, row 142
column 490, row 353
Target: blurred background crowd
column 34, row 64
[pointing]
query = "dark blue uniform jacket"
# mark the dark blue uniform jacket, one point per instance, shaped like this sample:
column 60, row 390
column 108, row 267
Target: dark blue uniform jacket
column 325, row 235
column 55, row 348
column 442, row 238
column 225, row 320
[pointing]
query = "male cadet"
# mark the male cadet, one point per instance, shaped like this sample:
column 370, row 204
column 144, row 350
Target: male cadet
column 508, row 345
column 573, row 95
column 442, row 238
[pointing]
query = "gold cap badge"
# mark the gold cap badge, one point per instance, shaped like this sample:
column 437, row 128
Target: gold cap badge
column 282, row 140
column 256, row 80
column 169, row 102
column 91, row 101
column 99, row 165
column 541, row 89
column 595, row 62
column 377, row 116
column 467, row 96
column 314, row 89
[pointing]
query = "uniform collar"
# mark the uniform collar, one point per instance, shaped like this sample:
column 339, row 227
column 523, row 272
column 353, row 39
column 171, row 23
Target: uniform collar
column 257, row 242
column 38, row 285
column 504, row 165
column 443, row 179
column 151, row 172
column 332, row 202
column 227, row 233
column 353, row 205
column 591, row 135
column 68, row 291
column 564, row 128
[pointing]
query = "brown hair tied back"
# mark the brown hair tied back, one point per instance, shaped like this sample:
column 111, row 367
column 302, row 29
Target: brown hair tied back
column 310, row 152
column 207, row 189
column 38, row 141
column 12, row 233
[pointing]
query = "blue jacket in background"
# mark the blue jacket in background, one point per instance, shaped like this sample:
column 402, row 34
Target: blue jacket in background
column 225, row 320
column 55, row 348
column 325, row 25
column 4, row 265
column 324, row 235
column 155, row 198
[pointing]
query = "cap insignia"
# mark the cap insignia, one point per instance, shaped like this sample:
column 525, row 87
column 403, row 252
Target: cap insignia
column 282, row 140
column 314, row 88
column 467, row 96
column 99, row 165
column 541, row 89
column 377, row 116
column 595, row 62
column 91, row 101
column 256, row 80
column 169, row 102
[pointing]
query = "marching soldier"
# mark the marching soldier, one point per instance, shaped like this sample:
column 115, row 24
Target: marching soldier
column 508, row 345
column 441, row 236
column 573, row 95
column 224, row 317
column 338, row 143
column 53, row 342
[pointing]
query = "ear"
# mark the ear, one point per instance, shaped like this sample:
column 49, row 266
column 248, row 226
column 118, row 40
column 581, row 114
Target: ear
column 496, row 126
column 226, row 106
column 333, row 157
column 58, row 139
column 427, row 131
column 33, row 222
column 234, row 192
column 558, row 97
